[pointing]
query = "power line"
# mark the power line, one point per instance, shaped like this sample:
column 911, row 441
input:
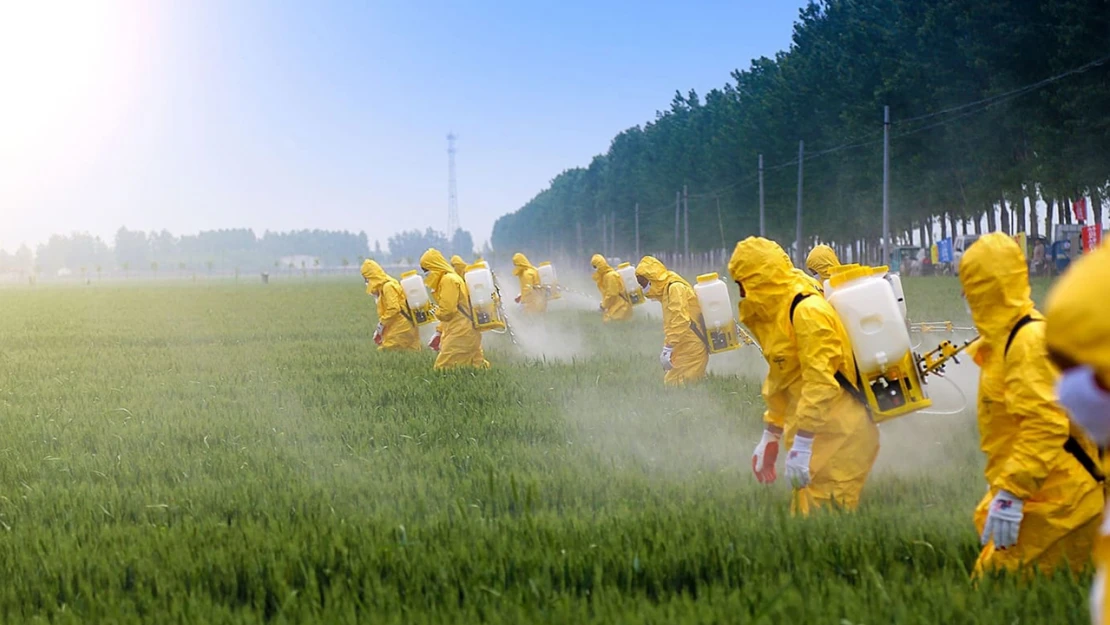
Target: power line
column 984, row 103
column 1013, row 93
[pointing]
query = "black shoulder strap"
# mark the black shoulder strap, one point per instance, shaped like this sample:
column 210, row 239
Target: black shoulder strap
column 694, row 327
column 794, row 304
column 841, row 379
column 1024, row 321
column 1073, row 447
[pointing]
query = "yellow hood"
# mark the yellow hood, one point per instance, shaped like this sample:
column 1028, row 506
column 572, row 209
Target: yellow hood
column 458, row 264
column 996, row 284
column 1078, row 325
column 601, row 267
column 375, row 277
column 658, row 276
column 768, row 277
column 822, row 260
column 436, row 267
column 520, row 264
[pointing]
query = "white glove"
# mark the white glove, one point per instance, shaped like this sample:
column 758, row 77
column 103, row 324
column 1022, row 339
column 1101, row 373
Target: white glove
column 797, row 461
column 1003, row 520
column 665, row 358
column 764, row 457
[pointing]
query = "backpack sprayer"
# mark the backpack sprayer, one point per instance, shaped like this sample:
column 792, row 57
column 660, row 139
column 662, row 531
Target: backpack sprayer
column 722, row 332
column 891, row 378
column 485, row 301
column 421, row 310
column 549, row 281
column 631, row 286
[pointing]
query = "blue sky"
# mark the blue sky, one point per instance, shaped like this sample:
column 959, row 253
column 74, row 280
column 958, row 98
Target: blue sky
column 281, row 115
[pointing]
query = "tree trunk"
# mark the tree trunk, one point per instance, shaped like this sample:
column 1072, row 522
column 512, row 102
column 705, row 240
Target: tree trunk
column 1049, row 212
column 1003, row 216
column 1019, row 212
column 1031, row 199
column 1065, row 211
column 944, row 221
column 992, row 224
column 977, row 223
column 1096, row 207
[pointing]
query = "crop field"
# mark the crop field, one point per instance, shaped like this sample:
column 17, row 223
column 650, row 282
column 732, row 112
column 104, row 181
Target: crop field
column 222, row 453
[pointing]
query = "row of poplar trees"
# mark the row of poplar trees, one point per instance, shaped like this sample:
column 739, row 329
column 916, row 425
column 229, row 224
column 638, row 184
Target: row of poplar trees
column 987, row 115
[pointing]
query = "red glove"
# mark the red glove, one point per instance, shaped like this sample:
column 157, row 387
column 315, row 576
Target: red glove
column 378, row 334
column 517, row 299
column 434, row 343
column 764, row 457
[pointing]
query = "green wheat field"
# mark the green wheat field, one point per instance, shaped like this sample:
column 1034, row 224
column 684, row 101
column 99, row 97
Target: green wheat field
column 234, row 453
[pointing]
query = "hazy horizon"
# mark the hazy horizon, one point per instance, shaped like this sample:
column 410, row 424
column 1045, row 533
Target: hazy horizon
column 212, row 115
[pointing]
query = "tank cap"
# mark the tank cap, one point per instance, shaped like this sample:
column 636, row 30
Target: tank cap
column 707, row 277
column 545, row 263
column 477, row 265
column 408, row 274
column 858, row 272
column 623, row 265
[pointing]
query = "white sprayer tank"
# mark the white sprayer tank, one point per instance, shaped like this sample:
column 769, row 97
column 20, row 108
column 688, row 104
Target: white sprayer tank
column 417, row 296
column 628, row 276
column 716, row 305
column 479, row 281
column 716, row 311
column 896, row 285
column 866, row 304
column 547, row 274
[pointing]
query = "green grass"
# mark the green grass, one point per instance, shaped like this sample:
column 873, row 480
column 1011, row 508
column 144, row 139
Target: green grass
column 241, row 454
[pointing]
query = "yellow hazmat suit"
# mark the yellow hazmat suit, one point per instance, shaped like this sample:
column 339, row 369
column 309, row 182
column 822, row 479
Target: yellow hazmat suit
column 821, row 261
column 459, row 265
column 801, row 390
column 460, row 343
column 615, row 304
column 532, row 295
column 1022, row 429
column 683, row 331
column 1077, row 331
column 396, row 327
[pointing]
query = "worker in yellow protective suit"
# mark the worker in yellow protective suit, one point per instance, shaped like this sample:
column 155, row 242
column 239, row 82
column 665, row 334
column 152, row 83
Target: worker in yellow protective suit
column 459, row 265
column 821, row 261
column 809, row 390
column 395, row 330
column 458, row 342
column 532, row 296
column 685, row 354
column 615, row 304
column 1077, row 332
column 1043, row 507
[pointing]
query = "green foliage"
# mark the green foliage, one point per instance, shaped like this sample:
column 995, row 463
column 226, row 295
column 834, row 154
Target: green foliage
column 242, row 454
column 847, row 60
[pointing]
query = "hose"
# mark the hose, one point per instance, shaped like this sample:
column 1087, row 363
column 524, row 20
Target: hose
column 963, row 399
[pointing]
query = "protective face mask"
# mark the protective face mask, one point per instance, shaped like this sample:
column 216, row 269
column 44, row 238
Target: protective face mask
column 1086, row 402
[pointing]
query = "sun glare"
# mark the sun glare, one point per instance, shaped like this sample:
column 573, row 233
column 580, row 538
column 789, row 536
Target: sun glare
column 64, row 68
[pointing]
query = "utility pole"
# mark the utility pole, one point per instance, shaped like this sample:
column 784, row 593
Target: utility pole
column 677, row 209
column 604, row 237
column 613, row 233
column 762, row 224
column 798, row 252
column 886, row 185
column 721, row 224
column 452, row 192
column 637, row 212
column 686, row 223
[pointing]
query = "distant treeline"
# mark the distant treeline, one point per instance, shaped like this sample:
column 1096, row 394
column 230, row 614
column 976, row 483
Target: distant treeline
column 993, row 104
column 237, row 249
